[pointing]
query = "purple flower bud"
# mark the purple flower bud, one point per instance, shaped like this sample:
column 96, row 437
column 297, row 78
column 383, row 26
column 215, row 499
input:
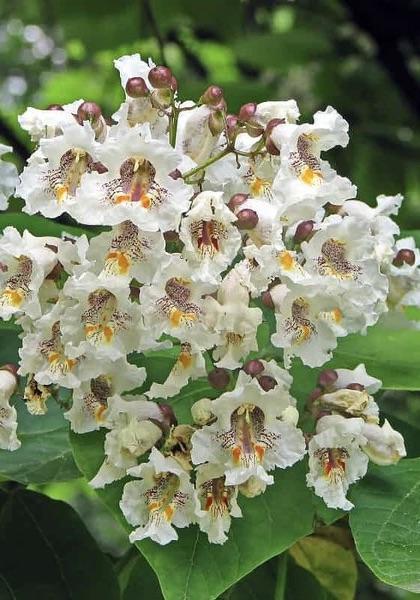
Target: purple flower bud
column 11, row 367
column 175, row 174
column 168, row 415
column 356, row 386
column 247, row 219
column 212, row 96
column 267, row 383
column 174, row 84
column 405, row 255
column 253, row 367
column 160, row 77
column 267, row 299
column 247, row 111
column 218, row 378
column 171, row 236
column 231, row 122
column 327, row 378
column 303, row 231
column 136, row 87
column 89, row 111
column 271, row 147
column 55, row 107
column 315, row 394
column 236, row 201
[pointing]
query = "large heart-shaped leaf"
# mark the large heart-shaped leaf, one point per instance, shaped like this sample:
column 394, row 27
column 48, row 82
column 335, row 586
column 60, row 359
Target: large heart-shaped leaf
column 192, row 568
column 385, row 523
column 46, row 551
column 45, row 454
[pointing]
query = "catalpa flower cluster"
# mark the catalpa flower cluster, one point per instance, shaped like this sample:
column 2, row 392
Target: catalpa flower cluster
column 209, row 228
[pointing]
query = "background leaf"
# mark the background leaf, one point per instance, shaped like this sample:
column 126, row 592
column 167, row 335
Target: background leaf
column 385, row 523
column 46, row 552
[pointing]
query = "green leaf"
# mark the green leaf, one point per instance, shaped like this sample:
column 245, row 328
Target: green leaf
column 142, row 583
column 385, row 523
column 46, row 552
column 331, row 564
column 40, row 226
column 192, row 568
column 281, row 51
column 45, row 454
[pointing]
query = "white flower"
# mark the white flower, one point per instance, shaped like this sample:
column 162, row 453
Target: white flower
column 91, row 398
column 303, row 174
column 211, row 241
column 194, row 138
column 385, row 446
column 286, row 109
column 9, row 177
column 248, row 438
column 103, row 320
column 8, row 415
column 137, row 110
column 382, row 227
column 189, row 365
column 173, row 304
column 336, row 460
column 234, row 321
column 137, row 186
column 127, row 252
column 164, row 498
column 218, row 503
column 25, row 261
column 48, row 123
column 342, row 255
column 51, row 182
column 357, row 375
column 131, row 436
column 308, row 324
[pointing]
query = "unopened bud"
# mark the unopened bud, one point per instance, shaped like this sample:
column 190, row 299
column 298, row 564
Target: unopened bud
column 161, row 98
column 405, row 255
column 55, row 107
column 236, row 201
column 11, row 367
column 315, row 394
column 247, row 111
column 171, row 236
column 327, row 378
column 303, row 231
column 89, row 111
column 216, row 122
column 247, row 219
column 99, row 167
column 231, row 125
column 254, row 129
column 201, row 411
column 267, row 300
column 253, row 367
column 267, row 382
column 160, row 77
column 175, row 174
column 271, row 147
column 218, row 378
column 174, row 84
column 212, row 96
column 358, row 387
column 136, row 87
column 168, row 415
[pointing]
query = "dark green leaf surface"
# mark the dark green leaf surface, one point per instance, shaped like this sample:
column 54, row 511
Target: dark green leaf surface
column 386, row 523
column 45, row 454
column 47, row 553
